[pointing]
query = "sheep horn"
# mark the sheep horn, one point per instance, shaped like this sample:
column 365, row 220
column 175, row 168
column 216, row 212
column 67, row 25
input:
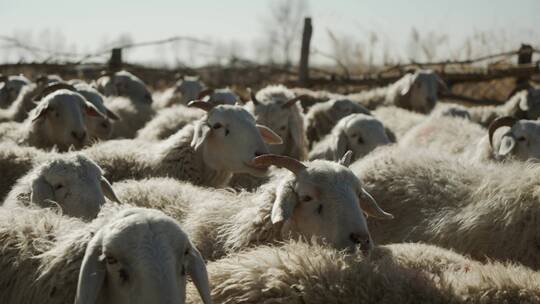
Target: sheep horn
column 54, row 87
column 205, row 93
column 281, row 161
column 292, row 101
column 203, row 105
column 253, row 98
column 500, row 122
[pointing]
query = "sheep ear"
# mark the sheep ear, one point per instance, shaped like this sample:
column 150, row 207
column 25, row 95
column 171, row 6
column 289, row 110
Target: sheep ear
column 92, row 274
column 40, row 111
column 42, row 191
column 341, row 145
column 523, row 102
column 269, row 136
column 369, row 205
column 346, row 159
column 285, row 202
column 201, row 132
column 391, row 136
column 108, row 190
column 92, row 111
column 508, row 143
column 197, row 271
column 111, row 115
column 407, row 84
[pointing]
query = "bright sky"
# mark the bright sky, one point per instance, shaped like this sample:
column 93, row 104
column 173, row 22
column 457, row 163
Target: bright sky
column 86, row 25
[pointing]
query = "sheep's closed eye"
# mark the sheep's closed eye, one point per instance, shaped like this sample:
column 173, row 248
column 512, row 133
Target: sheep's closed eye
column 110, row 260
column 58, row 187
column 306, row 198
column 521, row 138
column 217, row 126
column 360, row 140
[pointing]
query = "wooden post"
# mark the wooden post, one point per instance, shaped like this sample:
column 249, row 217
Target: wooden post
column 303, row 68
column 115, row 63
column 524, row 57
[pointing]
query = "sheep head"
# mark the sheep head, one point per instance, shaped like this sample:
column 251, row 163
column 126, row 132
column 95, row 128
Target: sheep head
column 189, row 88
column 140, row 256
column 61, row 116
column 99, row 127
column 520, row 141
column 74, row 183
column 323, row 199
column 124, row 83
column 419, row 91
column 359, row 133
column 230, row 139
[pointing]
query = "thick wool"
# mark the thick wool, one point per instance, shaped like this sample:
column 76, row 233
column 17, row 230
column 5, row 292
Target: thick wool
column 482, row 210
column 398, row 121
column 132, row 116
column 301, row 273
column 168, row 121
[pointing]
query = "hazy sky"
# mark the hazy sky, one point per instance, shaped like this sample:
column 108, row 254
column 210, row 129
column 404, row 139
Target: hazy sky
column 88, row 24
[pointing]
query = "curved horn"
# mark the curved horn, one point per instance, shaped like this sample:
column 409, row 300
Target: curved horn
column 497, row 123
column 253, row 98
column 203, row 105
column 281, row 161
column 205, row 93
column 53, row 87
column 293, row 101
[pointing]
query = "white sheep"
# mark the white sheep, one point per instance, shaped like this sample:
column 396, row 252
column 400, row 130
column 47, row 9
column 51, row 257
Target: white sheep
column 57, row 121
column 185, row 90
column 206, row 152
column 99, row 127
column 74, row 183
column 507, row 138
column 10, row 87
column 482, row 210
column 129, row 98
column 359, row 133
column 319, row 198
column 298, row 273
column 168, row 121
column 524, row 104
column 414, row 91
column 322, row 117
column 126, row 255
column 276, row 107
column 219, row 96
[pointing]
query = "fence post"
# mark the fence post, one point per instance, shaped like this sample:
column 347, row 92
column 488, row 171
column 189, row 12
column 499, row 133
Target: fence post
column 525, row 53
column 303, row 68
column 115, row 63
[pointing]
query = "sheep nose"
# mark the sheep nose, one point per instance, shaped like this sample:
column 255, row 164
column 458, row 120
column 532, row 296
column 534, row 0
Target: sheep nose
column 362, row 240
column 80, row 136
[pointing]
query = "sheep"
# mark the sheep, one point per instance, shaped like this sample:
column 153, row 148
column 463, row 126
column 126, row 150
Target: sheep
column 414, row 91
column 57, row 121
column 397, row 121
column 482, row 210
column 524, row 104
column 126, row 255
column 99, row 127
column 205, row 152
column 10, row 87
column 311, row 98
column 127, row 97
column 168, row 121
column 185, row 90
column 359, row 133
column 322, row 117
column 507, row 138
column 74, row 182
column 319, row 198
column 298, row 272
column 48, row 79
column 219, row 96
column 450, row 110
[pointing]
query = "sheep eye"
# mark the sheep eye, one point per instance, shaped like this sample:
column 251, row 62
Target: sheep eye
column 122, row 273
column 283, row 128
column 227, row 132
column 187, row 251
column 217, row 126
column 306, row 198
column 104, row 125
column 319, row 209
column 522, row 138
column 360, row 140
column 58, row 187
column 111, row 260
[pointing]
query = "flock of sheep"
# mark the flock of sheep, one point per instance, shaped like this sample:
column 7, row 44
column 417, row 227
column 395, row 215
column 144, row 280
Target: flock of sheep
column 114, row 194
